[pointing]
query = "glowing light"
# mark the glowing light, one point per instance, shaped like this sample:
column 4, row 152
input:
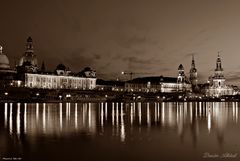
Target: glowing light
column 89, row 115
column 122, row 130
column 148, row 116
column 191, row 112
column 131, row 114
column 18, row 119
column 37, row 111
column 106, row 113
column 60, row 115
column 25, row 118
column 139, row 113
column 209, row 121
column 236, row 111
column 101, row 115
column 5, row 114
column 10, row 120
column 44, row 118
column 117, row 121
column 76, row 115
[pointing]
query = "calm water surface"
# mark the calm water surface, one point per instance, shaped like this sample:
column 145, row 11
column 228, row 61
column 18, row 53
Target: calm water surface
column 120, row 131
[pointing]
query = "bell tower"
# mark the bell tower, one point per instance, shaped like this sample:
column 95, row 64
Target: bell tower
column 193, row 73
column 218, row 78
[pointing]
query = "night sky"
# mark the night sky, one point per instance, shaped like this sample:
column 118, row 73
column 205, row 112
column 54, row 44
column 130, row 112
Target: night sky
column 149, row 37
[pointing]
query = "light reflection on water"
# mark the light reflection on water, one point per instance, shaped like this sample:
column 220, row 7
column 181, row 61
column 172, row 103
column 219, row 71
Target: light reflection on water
column 122, row 119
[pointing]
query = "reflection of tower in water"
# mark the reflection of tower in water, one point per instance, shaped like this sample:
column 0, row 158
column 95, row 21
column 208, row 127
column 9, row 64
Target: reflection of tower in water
column 66, row 118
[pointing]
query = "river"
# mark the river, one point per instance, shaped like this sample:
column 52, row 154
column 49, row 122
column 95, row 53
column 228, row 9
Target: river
column 166, row 131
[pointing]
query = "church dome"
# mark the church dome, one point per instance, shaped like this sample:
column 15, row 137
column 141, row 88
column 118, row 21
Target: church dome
column 180, row 67
column 61, row 67
column 29, row 55
column 4, row 62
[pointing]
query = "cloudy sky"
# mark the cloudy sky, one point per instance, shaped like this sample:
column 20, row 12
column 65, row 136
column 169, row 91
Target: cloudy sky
column 144, row 36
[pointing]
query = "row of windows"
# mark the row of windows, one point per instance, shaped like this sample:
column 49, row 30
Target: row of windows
column 39, row 81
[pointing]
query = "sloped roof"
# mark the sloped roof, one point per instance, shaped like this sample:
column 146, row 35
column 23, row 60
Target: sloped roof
column 110, row 82
column 154, row 80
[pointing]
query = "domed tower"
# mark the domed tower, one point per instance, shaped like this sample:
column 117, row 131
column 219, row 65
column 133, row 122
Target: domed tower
column 29, row 60
column 181, row 75
column 193, row 73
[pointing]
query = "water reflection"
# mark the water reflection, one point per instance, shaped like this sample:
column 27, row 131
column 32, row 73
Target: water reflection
column 36, row 119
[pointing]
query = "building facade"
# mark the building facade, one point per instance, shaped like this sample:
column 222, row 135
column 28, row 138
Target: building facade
column 160, row 83
column 217, row 85
column 30, row 76
column 46, row 81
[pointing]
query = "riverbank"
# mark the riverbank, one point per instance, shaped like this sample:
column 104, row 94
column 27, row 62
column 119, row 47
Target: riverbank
column 55, row 96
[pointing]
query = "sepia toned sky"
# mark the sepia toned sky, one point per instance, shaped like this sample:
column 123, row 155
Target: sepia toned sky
column 143, row 36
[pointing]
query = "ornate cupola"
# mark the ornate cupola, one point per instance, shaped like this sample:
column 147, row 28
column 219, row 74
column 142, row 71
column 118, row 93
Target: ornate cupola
column 29, row 45
column 181, row 75
column 29, row 59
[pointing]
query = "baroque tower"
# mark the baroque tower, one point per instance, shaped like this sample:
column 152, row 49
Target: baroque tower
column 181, row 75
column 181, row 78
column 218, row 79
column 29, row 60
column 193, row 73
column 217, row 82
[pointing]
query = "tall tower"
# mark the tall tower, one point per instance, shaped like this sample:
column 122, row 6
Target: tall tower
column 29, row 60
column 218, row 78
column 181, row 75
column 181, row 78
column 193, row 73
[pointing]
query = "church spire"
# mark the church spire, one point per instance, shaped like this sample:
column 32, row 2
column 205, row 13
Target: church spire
column 193, row 74
column 193, row 61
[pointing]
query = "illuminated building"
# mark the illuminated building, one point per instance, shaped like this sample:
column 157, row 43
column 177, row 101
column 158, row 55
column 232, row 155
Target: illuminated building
column 50, row 81
column 217, row 86
column 62, row 78
column 160, row 83
column 110, row 85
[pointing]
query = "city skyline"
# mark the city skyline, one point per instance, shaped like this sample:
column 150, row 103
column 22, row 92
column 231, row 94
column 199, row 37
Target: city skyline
column 111, row 37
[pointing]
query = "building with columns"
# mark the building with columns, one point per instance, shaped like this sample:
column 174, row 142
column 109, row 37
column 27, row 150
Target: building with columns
column 217, row 85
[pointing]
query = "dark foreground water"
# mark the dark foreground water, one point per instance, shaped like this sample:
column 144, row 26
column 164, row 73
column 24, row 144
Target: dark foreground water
column 120, row 131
